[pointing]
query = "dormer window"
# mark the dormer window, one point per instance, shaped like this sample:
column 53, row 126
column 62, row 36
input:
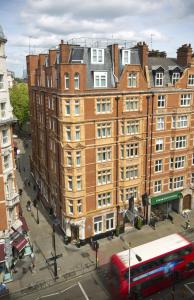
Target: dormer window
column 159, row 78
column 126, row 57
column 191, row 79
column 46, row 62
column 100, row 79
column 97, row 56
column 132, row 79
column 175, row 77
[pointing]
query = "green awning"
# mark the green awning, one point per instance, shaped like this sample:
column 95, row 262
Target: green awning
column 165, row 198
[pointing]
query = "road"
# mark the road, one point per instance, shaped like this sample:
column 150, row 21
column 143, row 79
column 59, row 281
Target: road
column 87, row 287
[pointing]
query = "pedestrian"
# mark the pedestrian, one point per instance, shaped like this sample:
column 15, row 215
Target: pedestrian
column 20, row 192
column 25, row 181
column 34, row 187
column 28, row 205
column 32, row 256
column 187, row 224
column 35, row 202
column 24, row 169
column 28, row 182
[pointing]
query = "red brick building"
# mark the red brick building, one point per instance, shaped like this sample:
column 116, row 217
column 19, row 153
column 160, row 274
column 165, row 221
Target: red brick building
column 110, row 124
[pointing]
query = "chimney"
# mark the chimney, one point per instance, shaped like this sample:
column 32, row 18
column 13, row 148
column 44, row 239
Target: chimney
column 115, row 56
column 52, row 56
column 32, row 64
column 184, row 55
column 143, row 53
column 64, row 52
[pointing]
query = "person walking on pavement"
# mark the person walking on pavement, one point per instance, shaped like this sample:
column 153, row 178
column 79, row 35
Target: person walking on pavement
column 187, row 224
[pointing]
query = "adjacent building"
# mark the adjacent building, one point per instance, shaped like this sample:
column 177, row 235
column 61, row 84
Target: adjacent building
column 112, row 134
column 12, row 238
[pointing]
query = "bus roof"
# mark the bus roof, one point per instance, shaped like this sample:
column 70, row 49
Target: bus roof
column 152, row 249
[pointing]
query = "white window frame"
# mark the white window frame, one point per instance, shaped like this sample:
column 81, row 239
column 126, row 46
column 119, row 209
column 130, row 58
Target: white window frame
column 97, row 56
column 126, row 57
column 103, row 105
column 77, row 133
column 160, row 123
column 79, row 206
column 159, row 144
column 103, row 154
column 66, row 81
column 5, row 136
column 132, row 150
column 78, row 158
column 1, row 81
column 158, row 165
column 98, row 77
column 132, row 80
column 104, row 177
column 3, row 110
column 110, row 221
column 104, row 130
column 191, row 79
column 69, row 159
column 178, row 142
column 132, row 104
column 68, row 133
column 175, row 77
column 79, row 182
column 161, row 101
column 157, row 186
column 185, row 100
column 77, row 107
column 70, row 206
column 98, row 224
column 159, row 79
column 70, row 183
column 6, row 161
column 132, row 127
column 104, row 199
column 76, row 81
column 67, row 107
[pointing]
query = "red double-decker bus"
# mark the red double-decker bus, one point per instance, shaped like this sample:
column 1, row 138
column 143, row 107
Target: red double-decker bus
column 163, row 262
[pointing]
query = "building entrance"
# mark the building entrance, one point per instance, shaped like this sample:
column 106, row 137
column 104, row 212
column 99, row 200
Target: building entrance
column 187, row 202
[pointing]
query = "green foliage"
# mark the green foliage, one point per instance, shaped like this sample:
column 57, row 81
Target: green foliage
column 20, row 102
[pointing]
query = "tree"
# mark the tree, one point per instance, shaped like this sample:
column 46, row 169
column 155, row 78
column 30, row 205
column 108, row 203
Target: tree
column 20, row 102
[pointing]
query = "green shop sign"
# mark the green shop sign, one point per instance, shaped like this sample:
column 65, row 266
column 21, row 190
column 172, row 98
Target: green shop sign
column 165, row 198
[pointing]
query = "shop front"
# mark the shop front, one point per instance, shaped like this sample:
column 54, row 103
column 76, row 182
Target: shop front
column 163, row 205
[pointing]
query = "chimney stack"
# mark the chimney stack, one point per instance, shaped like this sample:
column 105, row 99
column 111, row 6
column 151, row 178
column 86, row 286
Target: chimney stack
column 143, row 53
column 184, row 55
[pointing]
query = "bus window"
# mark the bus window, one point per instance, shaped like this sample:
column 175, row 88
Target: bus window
column 170, row 257
column 189, row 266
column 185, row 251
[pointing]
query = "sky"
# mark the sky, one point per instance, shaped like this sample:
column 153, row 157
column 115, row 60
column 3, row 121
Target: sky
column 37, row 25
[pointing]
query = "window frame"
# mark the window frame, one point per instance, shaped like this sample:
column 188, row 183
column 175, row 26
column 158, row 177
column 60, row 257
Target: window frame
column 100, row 75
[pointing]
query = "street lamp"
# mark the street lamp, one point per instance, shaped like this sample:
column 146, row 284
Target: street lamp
column 128, row 245
column 37, row 214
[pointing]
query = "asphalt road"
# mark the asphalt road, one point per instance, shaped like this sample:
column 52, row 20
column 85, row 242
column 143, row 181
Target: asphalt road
column 88, row 287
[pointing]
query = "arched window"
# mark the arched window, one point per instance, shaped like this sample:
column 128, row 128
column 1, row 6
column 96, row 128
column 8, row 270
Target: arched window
column 66, row 78
column 76, row 81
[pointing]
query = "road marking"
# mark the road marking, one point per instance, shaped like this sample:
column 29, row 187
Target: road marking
column 57, row 293
column 82, row 289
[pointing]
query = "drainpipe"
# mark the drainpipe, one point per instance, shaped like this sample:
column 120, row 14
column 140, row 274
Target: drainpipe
column 117, row 160
column 146, row 158
column 151, row 142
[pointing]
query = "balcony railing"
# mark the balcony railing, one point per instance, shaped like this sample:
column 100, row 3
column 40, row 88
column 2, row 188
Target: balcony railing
column 12, row 198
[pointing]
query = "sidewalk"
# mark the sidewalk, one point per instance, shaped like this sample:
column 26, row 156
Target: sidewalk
column 74, row 261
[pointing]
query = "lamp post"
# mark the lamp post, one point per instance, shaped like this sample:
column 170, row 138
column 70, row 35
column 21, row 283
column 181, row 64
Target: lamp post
column 37, row 214
column 128, row 245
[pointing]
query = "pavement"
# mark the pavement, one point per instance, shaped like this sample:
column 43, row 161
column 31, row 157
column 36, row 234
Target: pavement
column 74, row 261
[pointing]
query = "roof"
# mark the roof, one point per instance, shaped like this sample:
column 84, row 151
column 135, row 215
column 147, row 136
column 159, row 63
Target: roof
column 152, row 249
column 164, row 62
